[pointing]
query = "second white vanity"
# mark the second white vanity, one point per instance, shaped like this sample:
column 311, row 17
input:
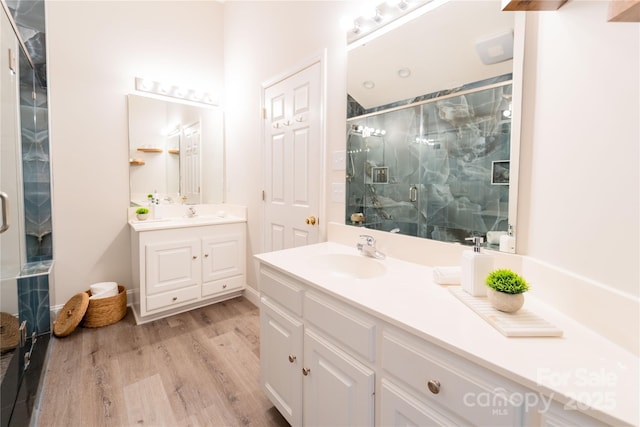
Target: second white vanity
column 181, row 262
column 351, row 340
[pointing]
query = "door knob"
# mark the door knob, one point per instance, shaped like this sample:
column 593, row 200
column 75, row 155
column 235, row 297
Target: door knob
column 311, row 220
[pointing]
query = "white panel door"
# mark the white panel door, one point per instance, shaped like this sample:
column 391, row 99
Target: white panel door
column 172, row 265
column 222, row 256
column 292, row 147
column 190, row 163
column 337, row 389
column 281, row 360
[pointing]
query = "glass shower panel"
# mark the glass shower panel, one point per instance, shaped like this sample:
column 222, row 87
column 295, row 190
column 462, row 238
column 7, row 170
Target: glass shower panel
column 12, row 236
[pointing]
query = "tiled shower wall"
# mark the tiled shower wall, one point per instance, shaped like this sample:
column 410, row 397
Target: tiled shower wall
column 437, row 169
column 33, row 283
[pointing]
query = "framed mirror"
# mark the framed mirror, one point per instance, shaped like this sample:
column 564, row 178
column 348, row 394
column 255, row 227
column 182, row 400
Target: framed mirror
column 432, row 143
column 176, row 151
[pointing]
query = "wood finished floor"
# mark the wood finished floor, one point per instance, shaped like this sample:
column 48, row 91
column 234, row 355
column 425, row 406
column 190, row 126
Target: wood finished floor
column 199, row 368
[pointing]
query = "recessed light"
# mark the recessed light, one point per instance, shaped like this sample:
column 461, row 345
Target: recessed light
column 368, row 84
column 404, row 73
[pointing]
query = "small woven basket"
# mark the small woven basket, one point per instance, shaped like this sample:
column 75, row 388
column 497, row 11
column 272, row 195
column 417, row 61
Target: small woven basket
column 106, row 311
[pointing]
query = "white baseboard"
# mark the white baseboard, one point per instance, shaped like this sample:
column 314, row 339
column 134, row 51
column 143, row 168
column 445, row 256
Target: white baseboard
column 252, row 295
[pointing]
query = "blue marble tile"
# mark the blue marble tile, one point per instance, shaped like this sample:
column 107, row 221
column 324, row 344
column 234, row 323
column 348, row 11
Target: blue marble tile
column 33, row 303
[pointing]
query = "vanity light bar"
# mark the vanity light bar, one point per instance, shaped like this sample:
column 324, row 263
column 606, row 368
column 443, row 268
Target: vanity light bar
column 157, row 88
column 387, row 13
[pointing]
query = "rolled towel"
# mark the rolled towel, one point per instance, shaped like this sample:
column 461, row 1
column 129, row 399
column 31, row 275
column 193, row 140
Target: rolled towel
column 103, row 290
column 447, row 275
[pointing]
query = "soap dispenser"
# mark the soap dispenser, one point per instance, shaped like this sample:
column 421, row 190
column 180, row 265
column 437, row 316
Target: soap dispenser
column 476, row 266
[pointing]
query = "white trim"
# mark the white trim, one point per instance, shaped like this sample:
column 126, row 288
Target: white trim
column 319, row 58
column 252, row 295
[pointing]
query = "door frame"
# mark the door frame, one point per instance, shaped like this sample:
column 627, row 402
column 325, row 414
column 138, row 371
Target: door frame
column 319, row 58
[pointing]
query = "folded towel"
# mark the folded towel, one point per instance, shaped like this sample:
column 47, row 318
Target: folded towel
column 447, row 275
column 103, row 290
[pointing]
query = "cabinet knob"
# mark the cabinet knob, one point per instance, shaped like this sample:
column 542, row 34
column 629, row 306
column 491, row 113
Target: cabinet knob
column 292, row 358
column 224, row 286
column 434, row 386
column 195, row 257
column 206, row 255
column 306, row 371
column 175, row 298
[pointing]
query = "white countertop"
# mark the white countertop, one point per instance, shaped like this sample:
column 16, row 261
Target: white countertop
column 580, row 367
column 175, row 216
column 181, row 222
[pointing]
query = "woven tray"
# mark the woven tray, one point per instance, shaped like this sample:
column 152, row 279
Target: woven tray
column 9, row 332
column 106, row 311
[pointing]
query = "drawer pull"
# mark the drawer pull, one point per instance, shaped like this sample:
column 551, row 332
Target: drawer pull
column 306, row 371
column 434, row 386
column 292, row 358
column 195, row 257
column 175, row 299
column 206, row 255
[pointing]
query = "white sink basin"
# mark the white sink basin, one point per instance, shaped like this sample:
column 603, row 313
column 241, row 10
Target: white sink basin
column 348, row 266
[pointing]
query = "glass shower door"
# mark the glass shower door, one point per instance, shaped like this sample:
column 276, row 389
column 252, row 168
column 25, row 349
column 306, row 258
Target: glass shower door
column 11, row 235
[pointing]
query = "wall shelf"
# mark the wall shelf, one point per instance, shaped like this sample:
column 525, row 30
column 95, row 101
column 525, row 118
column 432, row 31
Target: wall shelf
column 531, row 5
column 150, row 150
column 173, row 151
column 136, row 162
column 624, row 11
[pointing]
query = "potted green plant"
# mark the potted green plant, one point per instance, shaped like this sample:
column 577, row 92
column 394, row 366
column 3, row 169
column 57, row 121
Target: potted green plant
column 506, row 290
column 142, row 213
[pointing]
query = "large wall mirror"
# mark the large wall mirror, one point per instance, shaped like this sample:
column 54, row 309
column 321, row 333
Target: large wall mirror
column 175, row 150
column 431, row 136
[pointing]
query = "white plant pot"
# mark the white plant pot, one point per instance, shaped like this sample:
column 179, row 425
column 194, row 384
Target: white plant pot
column 142, row 217
column 509, row 303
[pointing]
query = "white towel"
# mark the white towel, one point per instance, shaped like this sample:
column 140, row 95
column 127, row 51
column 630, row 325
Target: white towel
column 447, row 275
column 103, row 290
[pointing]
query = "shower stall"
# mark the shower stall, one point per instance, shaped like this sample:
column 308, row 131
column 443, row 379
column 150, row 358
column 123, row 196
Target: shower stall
column 25, row 222
column 436, row 168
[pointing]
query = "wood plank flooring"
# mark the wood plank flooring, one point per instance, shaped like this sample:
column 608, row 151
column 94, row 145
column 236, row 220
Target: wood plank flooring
column 199, row 368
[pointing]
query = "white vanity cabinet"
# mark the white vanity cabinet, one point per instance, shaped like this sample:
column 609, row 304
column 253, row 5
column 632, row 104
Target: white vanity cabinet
column 308, row 370
column 178, row 269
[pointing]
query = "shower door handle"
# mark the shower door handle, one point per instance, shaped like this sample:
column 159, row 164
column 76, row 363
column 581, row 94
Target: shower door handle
column 413, row 193
column 4, row 199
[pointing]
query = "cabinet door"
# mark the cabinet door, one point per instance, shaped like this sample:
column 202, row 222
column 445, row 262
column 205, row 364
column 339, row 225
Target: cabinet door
column 338, row 390
column 222, row 256
column 172, row 265
column 281, row 360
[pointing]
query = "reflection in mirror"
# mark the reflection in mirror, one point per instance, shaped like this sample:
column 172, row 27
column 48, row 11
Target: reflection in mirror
column 175, row 151
column 429, row 132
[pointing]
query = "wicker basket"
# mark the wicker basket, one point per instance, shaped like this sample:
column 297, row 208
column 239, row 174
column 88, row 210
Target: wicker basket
column 106, row 311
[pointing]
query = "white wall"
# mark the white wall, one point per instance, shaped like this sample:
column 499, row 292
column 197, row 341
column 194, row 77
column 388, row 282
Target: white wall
column 95, row 50
column 579, row 162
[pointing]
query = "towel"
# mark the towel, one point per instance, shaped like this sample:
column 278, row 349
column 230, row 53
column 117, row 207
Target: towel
column 103, row 290
column 447, row 275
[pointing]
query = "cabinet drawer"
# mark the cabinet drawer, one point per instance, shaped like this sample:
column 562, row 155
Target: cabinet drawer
column 467, row 390
column 342, row 323
column 173, row 298
column 223, row 285
column 281, row 289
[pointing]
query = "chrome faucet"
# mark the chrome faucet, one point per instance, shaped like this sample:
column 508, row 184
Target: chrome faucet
column 191, row 211
column 367, row 247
